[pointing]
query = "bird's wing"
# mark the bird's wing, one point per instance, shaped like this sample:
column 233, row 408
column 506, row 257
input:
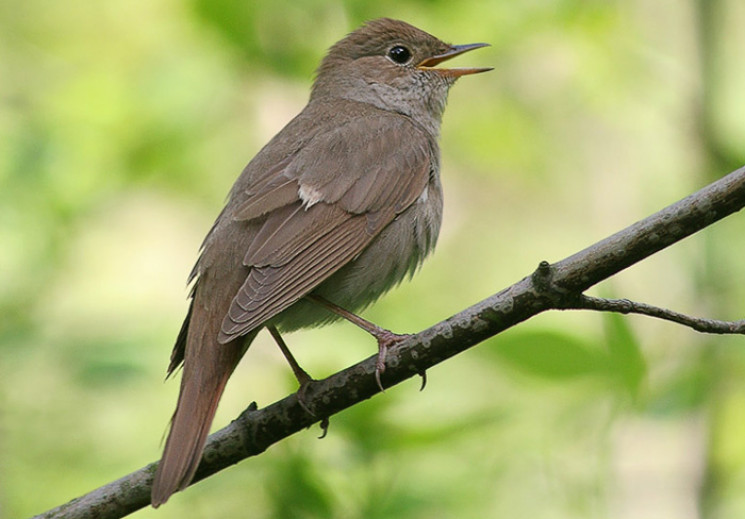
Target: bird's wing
column 322, row 209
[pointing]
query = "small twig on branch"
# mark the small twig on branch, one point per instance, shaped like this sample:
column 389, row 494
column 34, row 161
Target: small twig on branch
column 257, row 429
column 626, row 306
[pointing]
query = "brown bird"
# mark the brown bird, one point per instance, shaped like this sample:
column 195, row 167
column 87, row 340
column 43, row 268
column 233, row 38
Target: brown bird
column 337, row 208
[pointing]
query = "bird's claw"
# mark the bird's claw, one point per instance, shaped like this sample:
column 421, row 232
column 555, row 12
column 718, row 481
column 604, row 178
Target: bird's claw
column 423, row 374
column 302, row 396
column 324, row 427
column 386, row 339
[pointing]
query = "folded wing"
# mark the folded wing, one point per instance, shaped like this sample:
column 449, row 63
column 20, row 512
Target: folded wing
column 321, row 208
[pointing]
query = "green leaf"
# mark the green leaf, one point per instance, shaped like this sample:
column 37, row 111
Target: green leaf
column 626, row 358
column 551, row 355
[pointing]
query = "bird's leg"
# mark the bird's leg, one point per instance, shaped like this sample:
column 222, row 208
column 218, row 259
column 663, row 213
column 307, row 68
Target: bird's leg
column 300, row 374
column 386, row 338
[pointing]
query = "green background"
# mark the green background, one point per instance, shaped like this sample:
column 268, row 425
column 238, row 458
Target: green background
column 123, row 124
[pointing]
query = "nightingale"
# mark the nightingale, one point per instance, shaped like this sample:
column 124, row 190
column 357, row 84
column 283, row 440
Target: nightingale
column 341, row 205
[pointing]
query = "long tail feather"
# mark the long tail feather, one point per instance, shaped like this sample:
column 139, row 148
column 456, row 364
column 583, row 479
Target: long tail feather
column 207, row 367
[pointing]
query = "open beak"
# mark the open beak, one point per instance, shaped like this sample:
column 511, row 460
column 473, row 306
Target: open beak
column 455, row 50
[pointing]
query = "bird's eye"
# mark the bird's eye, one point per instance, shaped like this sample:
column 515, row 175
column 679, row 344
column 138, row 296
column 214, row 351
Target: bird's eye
column 399, row 54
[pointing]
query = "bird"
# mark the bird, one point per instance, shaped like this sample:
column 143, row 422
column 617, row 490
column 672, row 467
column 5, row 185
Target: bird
column 340, row 206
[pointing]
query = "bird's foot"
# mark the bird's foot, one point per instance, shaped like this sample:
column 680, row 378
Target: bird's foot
column 304, row 381
column 386, row 340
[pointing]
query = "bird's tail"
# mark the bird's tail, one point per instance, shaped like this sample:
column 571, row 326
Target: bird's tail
column 207, row 367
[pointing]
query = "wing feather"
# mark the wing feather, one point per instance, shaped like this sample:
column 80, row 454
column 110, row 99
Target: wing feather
column 275, row 197
column 298, row 246
column 268, row 290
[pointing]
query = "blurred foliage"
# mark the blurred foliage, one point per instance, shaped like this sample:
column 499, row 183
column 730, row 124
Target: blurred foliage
column 123, row 125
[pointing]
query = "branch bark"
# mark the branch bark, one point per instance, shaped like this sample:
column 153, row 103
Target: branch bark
column 625, row 306
column 557, row 286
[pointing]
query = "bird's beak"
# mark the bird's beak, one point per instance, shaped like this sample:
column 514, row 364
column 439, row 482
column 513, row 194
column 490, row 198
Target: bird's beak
column 455, row 50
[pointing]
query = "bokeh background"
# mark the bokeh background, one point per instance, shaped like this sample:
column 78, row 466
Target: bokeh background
column 122, row 126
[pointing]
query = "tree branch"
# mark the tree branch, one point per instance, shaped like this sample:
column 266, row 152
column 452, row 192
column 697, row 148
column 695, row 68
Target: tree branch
column 555, row 286
column 625, row 306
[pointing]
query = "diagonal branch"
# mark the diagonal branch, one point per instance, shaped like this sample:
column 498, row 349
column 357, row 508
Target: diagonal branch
column 549, row 287
column 625, row 306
